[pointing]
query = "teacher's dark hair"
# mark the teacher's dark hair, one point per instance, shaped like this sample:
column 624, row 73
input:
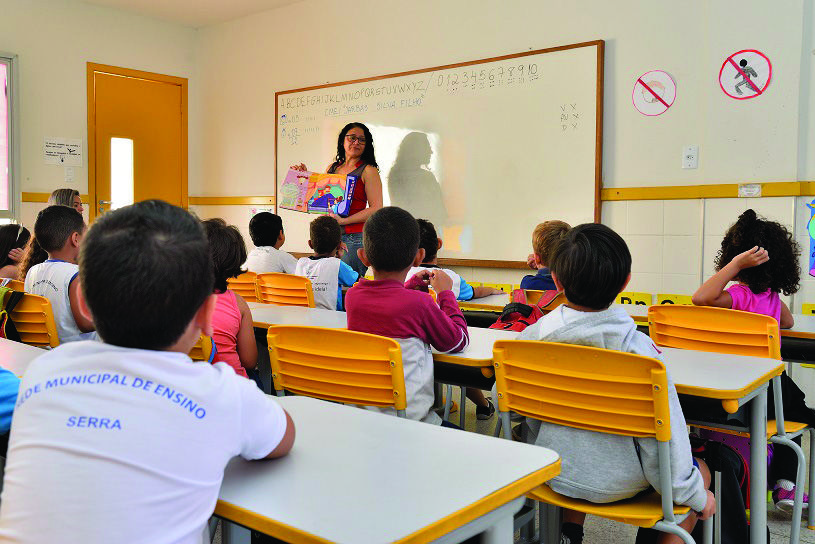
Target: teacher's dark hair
column 367, row 153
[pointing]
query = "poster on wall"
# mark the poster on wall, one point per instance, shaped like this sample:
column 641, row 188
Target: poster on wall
column 654, row 92
column 811, row 230
column 745, row 74
column 62, row 151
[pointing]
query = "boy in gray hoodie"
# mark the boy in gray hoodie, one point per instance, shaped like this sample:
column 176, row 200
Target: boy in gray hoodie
column 592, row 264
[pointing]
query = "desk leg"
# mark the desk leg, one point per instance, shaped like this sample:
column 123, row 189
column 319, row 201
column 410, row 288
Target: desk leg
column 500, row 532
column 232, row 533
column 758, row 468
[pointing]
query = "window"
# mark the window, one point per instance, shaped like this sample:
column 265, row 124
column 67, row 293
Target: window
column 8, row 140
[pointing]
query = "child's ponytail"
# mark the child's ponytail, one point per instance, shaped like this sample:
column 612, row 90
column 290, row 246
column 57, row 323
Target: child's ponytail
column 33, row 255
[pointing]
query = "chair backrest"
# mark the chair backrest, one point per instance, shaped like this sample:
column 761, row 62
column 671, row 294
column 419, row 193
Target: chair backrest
column 203, row 349
column 583, row 387
column 533, row 297
column 285, row 290
column 34, row 319
column 245, row 285
column 337, row 365
column 718, row 330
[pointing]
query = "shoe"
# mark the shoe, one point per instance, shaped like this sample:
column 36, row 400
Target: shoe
column 784, row 499
column 485, row 412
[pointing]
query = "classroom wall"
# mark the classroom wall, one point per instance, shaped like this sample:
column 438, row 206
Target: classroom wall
column 54, row 39
column 242, row 63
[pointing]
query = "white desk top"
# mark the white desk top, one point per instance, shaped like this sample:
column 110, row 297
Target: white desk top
column 16, row 357
column 268, row 314
column 494, row 303
column 376, row 478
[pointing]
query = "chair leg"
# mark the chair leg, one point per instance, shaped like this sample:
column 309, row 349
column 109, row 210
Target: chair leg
column 542, row 528
column 707, row 531
column 797, row 509
column 674, row 529
column 461, row 410
column 717, row 519
column 497, row 432
column 810, row 519
column 448, row 402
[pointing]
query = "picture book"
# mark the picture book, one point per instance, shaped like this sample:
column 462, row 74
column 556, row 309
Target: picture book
column 310, row 192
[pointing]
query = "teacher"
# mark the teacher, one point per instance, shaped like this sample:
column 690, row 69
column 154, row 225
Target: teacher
column 355, row 156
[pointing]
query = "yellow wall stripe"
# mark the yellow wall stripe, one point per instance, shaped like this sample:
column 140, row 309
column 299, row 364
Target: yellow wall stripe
column 43, row 197
column 721, row 190
column 196, row 200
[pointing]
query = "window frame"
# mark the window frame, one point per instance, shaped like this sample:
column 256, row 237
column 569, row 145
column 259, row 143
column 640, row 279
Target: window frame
column 13, row 112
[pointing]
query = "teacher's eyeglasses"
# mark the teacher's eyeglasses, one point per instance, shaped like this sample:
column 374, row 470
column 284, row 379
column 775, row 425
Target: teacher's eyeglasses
column 353, row 138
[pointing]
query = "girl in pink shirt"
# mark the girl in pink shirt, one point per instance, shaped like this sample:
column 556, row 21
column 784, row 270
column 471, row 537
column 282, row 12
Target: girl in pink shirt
column 762, row 257
column 232, row 329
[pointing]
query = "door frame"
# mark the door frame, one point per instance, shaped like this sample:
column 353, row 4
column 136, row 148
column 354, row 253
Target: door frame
column 93, row 68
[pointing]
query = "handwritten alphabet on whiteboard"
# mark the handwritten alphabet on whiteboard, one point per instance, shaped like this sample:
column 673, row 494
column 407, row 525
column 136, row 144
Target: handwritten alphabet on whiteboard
column 569, row 117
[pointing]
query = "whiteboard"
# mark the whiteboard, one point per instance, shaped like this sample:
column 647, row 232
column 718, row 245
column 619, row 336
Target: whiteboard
column 485, row 149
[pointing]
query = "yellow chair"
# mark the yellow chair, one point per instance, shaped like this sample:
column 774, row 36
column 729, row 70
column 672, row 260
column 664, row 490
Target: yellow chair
column 337, row 365
column 285, row 290
column 17, row 285
column 245, row 285
column 34, row 319
column 631, row 297
column 533, row 296
column 721, row 330
column 203, row 350
column 598, row 390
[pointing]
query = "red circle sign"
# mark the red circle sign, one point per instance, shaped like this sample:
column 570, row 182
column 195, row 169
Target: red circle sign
column 745, row 74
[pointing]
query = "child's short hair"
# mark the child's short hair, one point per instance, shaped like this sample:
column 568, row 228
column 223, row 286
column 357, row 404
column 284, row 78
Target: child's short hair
column 546, row 236
column 391, row 239
column 428, row 239
column 55, row 224
column 782, row 273
column 227, row 249
column 265, row 228
column 325, row 234
column 592, row 262
column 145, row 272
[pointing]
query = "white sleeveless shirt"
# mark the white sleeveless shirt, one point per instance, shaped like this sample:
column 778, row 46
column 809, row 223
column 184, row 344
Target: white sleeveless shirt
column 453, row 276
column 52, row 280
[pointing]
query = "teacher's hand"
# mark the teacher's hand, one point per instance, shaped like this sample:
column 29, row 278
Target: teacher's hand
column 340, row 220
column 301, row 167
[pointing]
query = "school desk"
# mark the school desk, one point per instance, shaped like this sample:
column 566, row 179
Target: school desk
column 358, row 476
column 492, row 303
column 16, row 356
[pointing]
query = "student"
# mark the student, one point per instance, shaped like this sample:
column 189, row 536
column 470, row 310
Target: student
column 328, row 274
column 12, row 239
column 58, row 231
column 232, row 328
column 544, row 238
column 592, row 264
column 431, row 244
column 386, row 307
column 266, row 231
column 126, row 439
column 760, row 278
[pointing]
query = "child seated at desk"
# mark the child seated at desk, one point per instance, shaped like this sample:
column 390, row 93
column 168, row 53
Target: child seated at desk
column 232, row 329
column 592, row 264
column 13, row 238
column 59, row 231
column 328, row 274
column 760, row 278
column 545, row 236
column 388, row 307
column 430, row 242
column 266, row 231
column 127, row 439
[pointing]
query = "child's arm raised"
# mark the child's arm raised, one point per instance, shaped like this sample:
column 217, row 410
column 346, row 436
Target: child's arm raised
column 83, row 323
column 712, row 292
column 247, row 348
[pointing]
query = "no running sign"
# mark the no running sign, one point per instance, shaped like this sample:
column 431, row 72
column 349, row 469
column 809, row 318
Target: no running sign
column 745, row 74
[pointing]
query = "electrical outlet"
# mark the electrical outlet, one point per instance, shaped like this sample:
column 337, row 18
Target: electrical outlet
column 690, row 156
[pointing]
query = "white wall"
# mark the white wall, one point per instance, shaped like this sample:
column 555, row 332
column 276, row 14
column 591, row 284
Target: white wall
column 54, row 39
column 242, row 63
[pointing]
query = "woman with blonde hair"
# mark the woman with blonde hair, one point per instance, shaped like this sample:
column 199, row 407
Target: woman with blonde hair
column 66, row 197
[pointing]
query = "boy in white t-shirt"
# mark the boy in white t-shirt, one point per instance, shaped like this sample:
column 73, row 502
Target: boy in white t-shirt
column 126, row 440
column 58, row 231
column 266, row 231
column 328, row 274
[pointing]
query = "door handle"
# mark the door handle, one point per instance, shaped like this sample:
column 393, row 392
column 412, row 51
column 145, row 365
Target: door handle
column 102, row 205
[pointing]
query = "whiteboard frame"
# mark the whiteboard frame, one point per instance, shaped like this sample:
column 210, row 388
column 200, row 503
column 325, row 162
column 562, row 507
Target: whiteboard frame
column 598, row 146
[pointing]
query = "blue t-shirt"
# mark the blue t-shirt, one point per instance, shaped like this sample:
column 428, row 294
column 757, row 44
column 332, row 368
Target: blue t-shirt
column 542, row 281
column 9, row 386
column 346, row 277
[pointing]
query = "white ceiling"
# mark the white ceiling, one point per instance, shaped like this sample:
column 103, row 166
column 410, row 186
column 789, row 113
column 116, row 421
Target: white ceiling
column 193, row 13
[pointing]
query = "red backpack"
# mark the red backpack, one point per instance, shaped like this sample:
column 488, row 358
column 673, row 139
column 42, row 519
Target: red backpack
column 517, row 315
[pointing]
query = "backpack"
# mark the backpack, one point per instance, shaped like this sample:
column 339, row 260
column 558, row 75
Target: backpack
column 8, row 300
column 518, row 315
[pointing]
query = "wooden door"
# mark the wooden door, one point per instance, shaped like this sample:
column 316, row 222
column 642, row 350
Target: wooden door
column 146, row 113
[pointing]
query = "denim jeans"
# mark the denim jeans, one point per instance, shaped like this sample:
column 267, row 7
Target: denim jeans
column 353, row 241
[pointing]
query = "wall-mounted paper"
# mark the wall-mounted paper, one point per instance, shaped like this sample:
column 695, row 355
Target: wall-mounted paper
column 63, row 151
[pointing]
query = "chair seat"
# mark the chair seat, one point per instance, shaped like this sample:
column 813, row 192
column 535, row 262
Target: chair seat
column 644, row 510
column 790, row 427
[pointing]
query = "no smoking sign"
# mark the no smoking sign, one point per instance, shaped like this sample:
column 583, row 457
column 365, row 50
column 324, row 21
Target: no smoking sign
column 745, row 74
